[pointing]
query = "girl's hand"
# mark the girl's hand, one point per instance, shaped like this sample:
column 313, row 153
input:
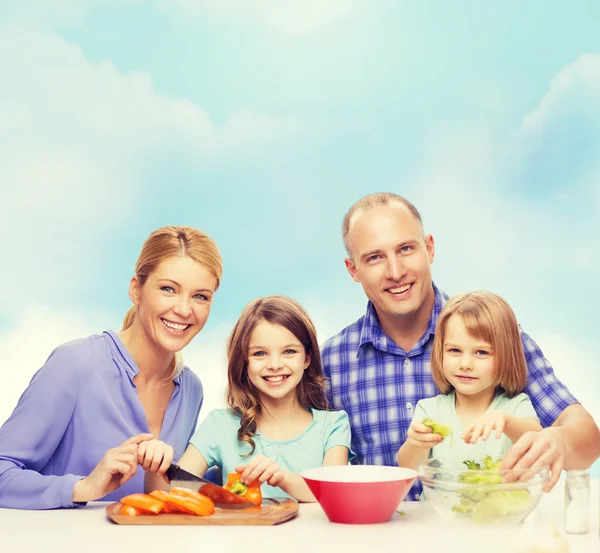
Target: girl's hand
column 114, row 469
column 492, row 420
column 422, row 437
column 155, row 456
column 261, row 469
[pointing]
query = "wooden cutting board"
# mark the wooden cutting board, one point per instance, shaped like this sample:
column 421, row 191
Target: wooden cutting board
column 272, row 511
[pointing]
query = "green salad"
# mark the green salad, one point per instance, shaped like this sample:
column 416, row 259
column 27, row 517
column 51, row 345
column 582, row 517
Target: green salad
column 444, row 430
column 485, row 503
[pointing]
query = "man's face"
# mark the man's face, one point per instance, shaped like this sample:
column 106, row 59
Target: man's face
column 391, row 259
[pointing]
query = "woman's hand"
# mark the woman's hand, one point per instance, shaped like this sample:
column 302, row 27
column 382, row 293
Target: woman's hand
column 262, row 469
column 114, row 469
column 155, row 456
column 485, row 425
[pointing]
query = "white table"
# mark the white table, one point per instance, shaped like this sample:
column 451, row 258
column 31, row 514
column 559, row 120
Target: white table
column 420, row 530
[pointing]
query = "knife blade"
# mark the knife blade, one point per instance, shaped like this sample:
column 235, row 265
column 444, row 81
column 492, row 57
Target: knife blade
column 222, row 498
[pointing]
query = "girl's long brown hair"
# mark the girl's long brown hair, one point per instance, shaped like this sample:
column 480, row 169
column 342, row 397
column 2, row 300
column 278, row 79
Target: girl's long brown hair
column 242, row 395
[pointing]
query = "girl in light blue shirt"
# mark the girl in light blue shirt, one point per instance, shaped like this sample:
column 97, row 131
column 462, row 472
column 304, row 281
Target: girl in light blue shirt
column 478, row 365
column 278, row 423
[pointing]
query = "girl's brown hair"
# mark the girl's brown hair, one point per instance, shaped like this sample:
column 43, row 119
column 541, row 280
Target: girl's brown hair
column 487, row 317
column 242, row 395
column 170, row 242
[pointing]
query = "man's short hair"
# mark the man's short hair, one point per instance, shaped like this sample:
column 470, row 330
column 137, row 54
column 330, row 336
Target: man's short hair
column 370, row 201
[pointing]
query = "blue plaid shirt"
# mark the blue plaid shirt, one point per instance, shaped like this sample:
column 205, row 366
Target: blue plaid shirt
column 379, row 384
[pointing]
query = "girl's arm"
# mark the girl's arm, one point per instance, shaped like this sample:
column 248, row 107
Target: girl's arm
column 515, row 427
column 293, row 484
column 419, row 439
column 192, row 461
column 411, row 456
column 495, row 423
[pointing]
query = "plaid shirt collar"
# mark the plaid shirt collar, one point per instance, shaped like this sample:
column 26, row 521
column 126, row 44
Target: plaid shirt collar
column 372, row 333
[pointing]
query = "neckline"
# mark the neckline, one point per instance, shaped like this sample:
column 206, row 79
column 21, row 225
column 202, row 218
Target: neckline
column 294, row 438
column 132, row 367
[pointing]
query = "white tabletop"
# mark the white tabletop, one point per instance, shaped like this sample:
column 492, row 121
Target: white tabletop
column 87, row 530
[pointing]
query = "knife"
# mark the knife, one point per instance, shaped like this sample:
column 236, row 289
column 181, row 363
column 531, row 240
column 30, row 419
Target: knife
column 222, row 498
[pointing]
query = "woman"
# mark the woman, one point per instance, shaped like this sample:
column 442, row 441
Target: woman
column 99, row 404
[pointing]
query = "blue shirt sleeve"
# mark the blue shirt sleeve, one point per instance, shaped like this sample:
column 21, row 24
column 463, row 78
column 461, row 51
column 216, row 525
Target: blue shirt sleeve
column 206, row 437
column 32, row 433
column 338, row 432
column 325, row 354
column 549, row 396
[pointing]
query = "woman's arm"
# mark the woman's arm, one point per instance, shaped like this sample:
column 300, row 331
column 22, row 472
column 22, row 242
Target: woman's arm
column 29, row 438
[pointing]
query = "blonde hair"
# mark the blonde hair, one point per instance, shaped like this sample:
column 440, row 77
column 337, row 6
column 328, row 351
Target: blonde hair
column 168, row 242
column 375, row 200
column 487, row 317
column 242, row 395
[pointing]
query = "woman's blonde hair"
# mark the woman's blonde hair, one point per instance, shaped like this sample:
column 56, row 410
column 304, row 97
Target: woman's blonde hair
column 487, row 317
column 174, row 241
column 242, row 395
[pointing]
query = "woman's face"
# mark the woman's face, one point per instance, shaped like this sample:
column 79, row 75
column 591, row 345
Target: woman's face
column 174, row 303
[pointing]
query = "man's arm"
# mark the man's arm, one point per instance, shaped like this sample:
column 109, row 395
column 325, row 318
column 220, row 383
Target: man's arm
column 572, row 442
column 571, row 439
column 580, row 435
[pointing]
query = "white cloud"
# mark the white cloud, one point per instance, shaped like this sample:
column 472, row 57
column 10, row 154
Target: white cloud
column 576, row 364
column 207, row 357
column 293, row 17
column 79, row 143
column 574, row 90
column 26, row 347
column 56, row 13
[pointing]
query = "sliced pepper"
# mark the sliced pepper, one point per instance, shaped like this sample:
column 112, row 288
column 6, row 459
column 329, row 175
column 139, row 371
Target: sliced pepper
column 162, row 495
column 200, row 505
column 128, row 510
column 250, row 492
column 144, row 502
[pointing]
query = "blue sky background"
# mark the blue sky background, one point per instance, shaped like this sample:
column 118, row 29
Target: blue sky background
column 260, row 122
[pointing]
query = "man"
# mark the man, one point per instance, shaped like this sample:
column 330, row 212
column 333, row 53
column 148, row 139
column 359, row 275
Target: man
column 379, row 366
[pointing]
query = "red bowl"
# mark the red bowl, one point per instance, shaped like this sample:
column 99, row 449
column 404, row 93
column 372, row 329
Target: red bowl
column 359, row 494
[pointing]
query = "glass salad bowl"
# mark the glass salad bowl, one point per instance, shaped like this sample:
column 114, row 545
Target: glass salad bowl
column 481, row 493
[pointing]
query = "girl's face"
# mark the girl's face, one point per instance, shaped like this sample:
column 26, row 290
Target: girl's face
column 276, row 361
column 174, row 303
column 467, row 363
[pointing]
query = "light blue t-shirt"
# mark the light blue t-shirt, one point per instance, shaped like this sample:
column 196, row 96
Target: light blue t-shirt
column 216, row 439
column 453, row 450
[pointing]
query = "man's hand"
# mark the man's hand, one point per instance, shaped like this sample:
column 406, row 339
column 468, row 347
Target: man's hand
column 535, row 450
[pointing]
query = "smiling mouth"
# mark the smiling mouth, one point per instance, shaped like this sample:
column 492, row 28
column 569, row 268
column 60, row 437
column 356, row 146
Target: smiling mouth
column 276, row 379
column 398, row 290
column 175, row 327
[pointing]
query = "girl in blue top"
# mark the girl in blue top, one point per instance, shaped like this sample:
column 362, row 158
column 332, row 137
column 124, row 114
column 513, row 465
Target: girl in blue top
column 277, row 424
column 477, row 363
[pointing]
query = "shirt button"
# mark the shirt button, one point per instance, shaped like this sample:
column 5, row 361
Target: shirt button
column 407, row 361
column 409, row 405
